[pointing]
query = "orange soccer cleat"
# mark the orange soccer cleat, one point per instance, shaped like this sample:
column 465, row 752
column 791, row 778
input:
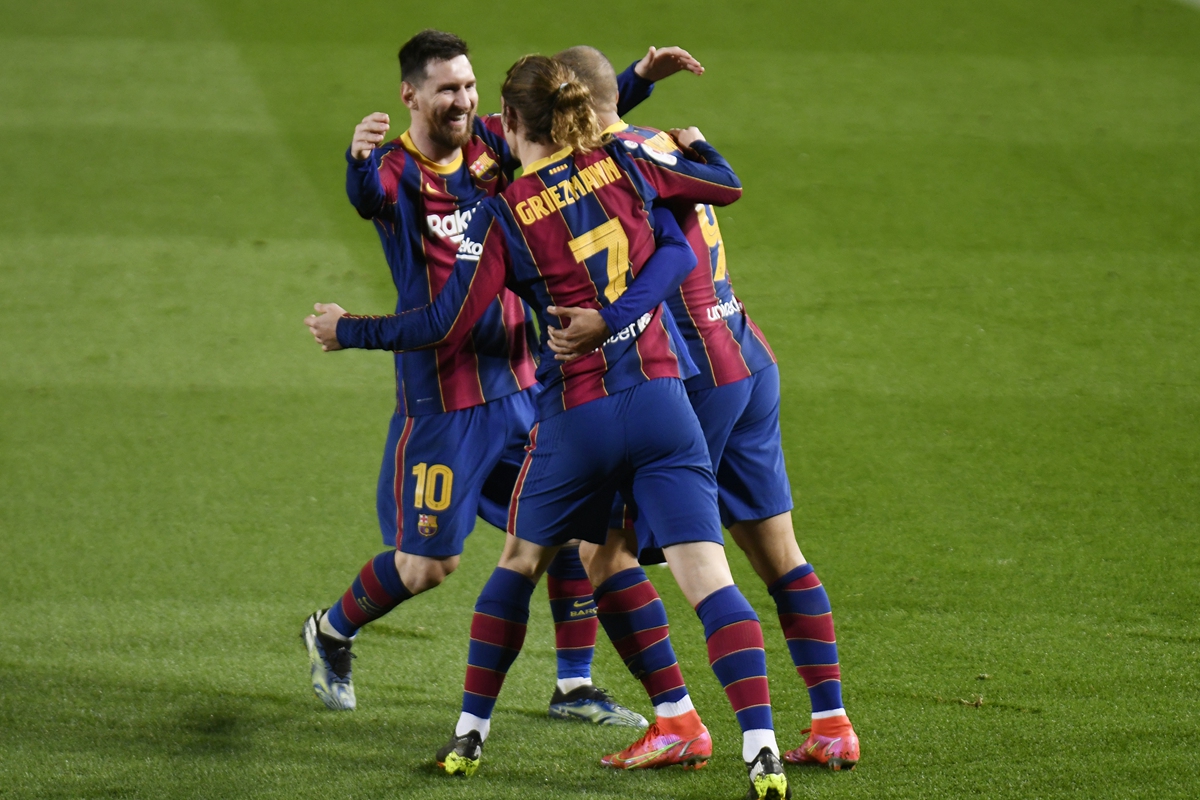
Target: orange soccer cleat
column 831, row 742
column 679, row 740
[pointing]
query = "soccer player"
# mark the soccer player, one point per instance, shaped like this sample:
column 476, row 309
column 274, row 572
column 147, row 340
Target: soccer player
column 736, row 398
column 573, row 230
column 455, row 442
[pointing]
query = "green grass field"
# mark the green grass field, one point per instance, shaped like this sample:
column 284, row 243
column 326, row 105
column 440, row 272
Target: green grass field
column 971, row 232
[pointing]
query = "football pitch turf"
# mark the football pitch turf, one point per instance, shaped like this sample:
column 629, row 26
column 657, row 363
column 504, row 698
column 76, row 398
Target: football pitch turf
column 970, row 230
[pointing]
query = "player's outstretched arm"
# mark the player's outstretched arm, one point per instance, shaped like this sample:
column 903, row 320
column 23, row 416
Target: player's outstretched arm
column 663, row 62
column 586, row 329
column 364, row 186
column 477, row 278
column 637, row 82
column 673, row 177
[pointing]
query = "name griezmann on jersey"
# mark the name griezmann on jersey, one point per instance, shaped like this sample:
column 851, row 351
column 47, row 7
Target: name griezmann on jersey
column 568, row 192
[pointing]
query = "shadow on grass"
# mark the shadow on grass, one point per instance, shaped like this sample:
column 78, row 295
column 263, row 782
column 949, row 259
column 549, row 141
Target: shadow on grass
column 384, row 631
column 225, row 728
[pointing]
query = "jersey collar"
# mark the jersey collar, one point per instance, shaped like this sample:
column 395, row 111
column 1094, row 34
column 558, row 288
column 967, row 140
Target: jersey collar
column 542, row 162
column 441, row 169
column 616, row 127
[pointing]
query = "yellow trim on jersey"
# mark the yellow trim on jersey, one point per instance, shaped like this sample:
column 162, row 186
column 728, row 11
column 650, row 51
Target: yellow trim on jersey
column 541, row 162
column 440, row 169
column 659, row 141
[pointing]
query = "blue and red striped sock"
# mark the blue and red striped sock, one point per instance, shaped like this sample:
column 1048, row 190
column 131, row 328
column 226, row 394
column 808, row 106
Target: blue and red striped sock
column 634, row 618
column 376, row 591
column 737, row 657
column 807, row 621
column 497, row 633
column 574, row 614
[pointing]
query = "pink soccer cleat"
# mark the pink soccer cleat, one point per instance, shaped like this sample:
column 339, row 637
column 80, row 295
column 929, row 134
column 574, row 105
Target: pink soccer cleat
column 679, row 740
column 831, row 743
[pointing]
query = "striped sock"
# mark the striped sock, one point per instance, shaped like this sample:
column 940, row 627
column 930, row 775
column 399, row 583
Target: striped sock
column 634, row 618
column 735, row 652
column 497, row 633
column 574, row 615
column 807, row 621
column 376, row 591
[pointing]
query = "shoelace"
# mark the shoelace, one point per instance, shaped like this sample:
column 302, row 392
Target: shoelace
column 596, row 693
column 339, row 661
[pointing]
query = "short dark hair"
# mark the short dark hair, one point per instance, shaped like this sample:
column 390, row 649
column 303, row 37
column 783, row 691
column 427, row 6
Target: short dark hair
column 428, row 45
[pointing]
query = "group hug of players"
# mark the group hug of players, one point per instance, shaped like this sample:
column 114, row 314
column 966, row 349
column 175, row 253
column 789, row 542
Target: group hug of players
column 638, row 418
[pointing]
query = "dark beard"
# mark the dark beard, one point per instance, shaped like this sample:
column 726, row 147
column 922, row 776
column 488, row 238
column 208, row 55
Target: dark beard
column 444, row 136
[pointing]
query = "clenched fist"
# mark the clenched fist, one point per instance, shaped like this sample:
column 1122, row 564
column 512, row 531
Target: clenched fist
column 369, row 134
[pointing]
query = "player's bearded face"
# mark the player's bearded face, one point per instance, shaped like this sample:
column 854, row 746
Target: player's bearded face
column 450, row 102
column 453, row 127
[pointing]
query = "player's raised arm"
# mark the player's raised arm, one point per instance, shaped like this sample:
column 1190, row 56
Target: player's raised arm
column 663, row 62
column 674, row 177
column 672, row 260
column 478, row 276
column 364, row 185
column 637, row 82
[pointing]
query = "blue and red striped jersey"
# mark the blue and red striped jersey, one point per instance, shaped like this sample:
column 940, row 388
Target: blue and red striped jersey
column 574, row 231
column 421, row 211
column 723, row 341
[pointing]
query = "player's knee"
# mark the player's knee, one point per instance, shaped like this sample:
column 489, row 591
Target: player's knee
column 525, row 558
column 420, row 573
column 769, row 544
column 587, row 556
column 602, row 562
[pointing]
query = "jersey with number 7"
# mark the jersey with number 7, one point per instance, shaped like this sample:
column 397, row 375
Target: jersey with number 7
column 572, row 231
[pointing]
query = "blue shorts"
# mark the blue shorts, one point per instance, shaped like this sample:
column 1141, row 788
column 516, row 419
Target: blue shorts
column 644, row 442
column 452, row 467
column 741, row 427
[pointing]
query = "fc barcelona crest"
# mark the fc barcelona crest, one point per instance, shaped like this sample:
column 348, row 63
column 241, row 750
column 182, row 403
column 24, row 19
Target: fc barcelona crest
column 485, row 168
column 427, row 524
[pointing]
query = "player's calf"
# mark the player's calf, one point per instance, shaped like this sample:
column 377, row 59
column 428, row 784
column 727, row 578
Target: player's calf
column 807, row 621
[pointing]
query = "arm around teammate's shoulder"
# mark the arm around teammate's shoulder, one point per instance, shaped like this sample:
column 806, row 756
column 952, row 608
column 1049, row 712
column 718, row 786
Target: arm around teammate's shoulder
column 672, row 260
column 582, row 330
column 478, row 276
column 675, row 177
